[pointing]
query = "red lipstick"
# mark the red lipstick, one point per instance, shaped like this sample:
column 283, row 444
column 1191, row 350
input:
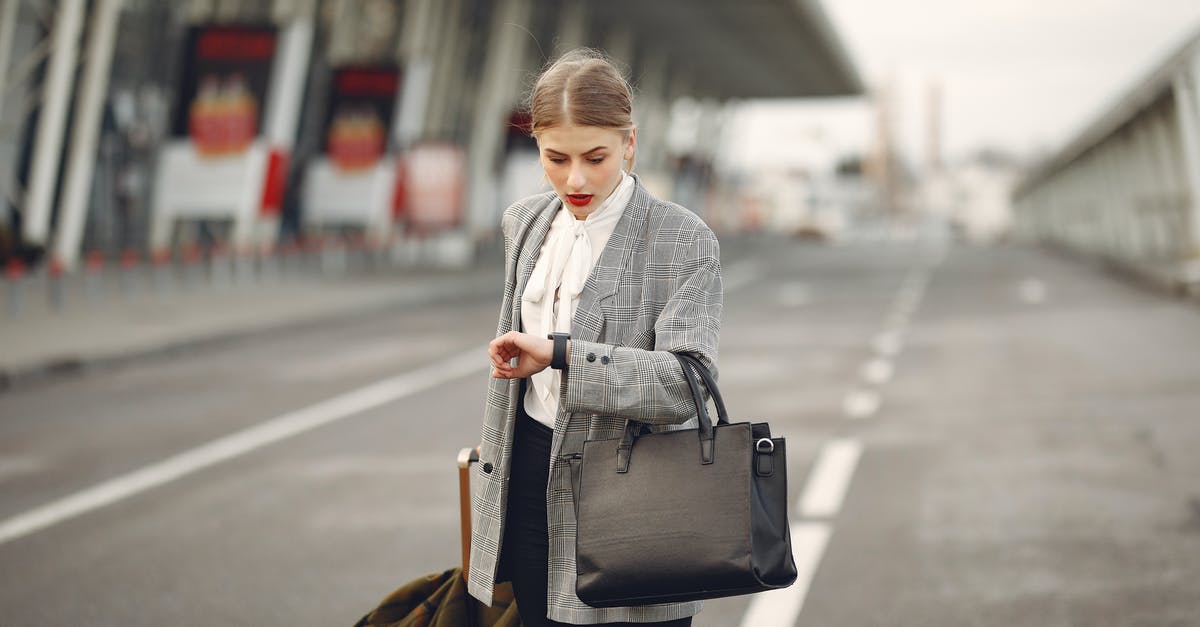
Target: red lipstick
column 579, row 200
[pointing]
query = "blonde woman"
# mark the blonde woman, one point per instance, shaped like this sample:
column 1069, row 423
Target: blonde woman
column 602, row 283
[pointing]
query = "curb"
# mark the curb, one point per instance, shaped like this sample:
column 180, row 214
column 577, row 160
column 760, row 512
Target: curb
column 464, row 287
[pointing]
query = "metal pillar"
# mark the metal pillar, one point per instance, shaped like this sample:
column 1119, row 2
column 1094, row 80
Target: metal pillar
column 89, row 108
column 416, row 52
column 1187, row 109
column 52, row 121
column 499, row 81
column 445, row 101
column 572, row 25
column 1109, row 171
column 285, row 94
column 652, row 88
column 8, row 24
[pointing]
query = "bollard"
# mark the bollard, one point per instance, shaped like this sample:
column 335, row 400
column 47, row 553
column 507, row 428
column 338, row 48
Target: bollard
column 55, row 285
column 244, row 264
column 14, row 274
column 269, row 263
column 93, row 267
column 289, row 258
column 357, row 245
column 190, row 255
column 220, row 272
column 161, row 260
column 129, row 264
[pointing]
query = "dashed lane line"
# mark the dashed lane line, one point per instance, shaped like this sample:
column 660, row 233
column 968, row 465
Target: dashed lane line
column 830, row 478
column 781, row 608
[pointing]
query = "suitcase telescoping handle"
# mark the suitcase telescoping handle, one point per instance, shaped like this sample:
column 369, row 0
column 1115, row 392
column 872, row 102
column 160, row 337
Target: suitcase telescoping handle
column 466, row 457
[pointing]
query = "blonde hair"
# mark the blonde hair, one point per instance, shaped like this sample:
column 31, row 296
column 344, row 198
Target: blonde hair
column 582, row 87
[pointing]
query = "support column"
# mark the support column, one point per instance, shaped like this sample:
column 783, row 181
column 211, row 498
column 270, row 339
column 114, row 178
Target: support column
column 650, row 111
column 8, row 24
column 1187, row 109
column 89, row 107
column 257, row 220
column 416, row 53
column 500, row 79
column 572, row 26
column 52, row 121
column 446, row 101
column 1168, row 213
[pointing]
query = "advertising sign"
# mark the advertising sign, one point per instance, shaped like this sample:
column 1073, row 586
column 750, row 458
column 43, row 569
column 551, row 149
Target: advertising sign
column 360, row 115
column 225, row 78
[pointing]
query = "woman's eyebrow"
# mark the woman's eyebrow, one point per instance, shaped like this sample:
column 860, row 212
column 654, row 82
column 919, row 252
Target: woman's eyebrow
column 565, row 154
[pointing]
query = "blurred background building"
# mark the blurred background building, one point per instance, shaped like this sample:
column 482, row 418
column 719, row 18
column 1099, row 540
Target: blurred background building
column 141, row 128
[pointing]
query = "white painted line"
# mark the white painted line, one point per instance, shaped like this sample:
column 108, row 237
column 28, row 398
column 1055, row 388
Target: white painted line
column 877, row 371
column 794, row 294
column 1032, row 291
column 830, row 478
column 781, row 608
column 887, row 344
column 242, row 442
column 897, row 322
column 740, row 274
column 861, row 404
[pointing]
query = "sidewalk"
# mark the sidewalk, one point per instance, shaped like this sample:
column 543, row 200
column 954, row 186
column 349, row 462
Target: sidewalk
column 106, row 321
column 122, row 314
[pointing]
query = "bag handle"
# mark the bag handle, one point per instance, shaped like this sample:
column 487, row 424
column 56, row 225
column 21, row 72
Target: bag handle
column 691, row 366
column 709, row 382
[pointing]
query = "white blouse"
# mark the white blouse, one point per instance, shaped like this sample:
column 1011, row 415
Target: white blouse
column 571, row 250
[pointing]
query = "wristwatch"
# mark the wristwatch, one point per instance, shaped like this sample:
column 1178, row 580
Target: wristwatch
column 558, row 359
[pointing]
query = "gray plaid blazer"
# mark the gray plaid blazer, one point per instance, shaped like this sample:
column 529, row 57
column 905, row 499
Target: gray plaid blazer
column 656, row 288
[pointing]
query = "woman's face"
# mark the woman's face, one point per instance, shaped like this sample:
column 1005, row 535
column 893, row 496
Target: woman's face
column 583, row 163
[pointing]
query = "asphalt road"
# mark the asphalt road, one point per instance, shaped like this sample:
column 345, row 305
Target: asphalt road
column 976, row 437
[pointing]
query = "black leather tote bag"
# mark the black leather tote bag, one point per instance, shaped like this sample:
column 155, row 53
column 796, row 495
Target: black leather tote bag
column 683, row 515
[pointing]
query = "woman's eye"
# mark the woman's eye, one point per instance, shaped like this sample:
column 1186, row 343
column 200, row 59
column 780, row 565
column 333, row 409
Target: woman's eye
column 555, row 159
column 596, row 160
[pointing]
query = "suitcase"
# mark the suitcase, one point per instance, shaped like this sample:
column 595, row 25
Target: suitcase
column 441, row 599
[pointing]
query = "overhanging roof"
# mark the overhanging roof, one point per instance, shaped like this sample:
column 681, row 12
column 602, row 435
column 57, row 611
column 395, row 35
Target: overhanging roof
column 1151, row 87
column 742, row 48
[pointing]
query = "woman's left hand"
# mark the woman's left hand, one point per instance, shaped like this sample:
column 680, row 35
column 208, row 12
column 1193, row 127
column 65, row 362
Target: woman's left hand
column 532, row 353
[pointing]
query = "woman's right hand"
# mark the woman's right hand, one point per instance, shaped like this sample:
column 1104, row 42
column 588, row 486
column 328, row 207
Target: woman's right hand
column 532, row 354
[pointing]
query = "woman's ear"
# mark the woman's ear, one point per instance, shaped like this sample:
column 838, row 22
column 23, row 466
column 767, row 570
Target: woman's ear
column 631, row 144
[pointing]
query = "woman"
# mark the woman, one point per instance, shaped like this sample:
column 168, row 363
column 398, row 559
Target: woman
column 619, row 280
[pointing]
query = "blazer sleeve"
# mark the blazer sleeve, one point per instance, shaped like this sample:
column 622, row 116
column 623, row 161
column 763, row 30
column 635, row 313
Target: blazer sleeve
column 649, row 386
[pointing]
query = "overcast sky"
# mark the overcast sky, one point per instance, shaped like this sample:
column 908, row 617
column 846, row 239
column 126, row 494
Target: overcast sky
column 1023, row 75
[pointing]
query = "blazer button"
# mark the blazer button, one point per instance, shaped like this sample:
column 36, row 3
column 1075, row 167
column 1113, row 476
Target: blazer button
column 591, row 356
column 487, row 467
column 604, row 360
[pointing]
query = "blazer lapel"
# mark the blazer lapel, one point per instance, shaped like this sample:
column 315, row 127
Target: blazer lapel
column 530, row 251
column 588, row 321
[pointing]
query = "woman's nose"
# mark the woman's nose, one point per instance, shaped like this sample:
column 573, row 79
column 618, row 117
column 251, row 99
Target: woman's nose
column 576, row 180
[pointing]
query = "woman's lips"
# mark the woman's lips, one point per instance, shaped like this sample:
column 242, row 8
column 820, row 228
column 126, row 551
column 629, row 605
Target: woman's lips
column 579, row 200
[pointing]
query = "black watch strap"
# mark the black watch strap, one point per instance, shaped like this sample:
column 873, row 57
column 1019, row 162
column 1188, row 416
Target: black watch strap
column 558, row 358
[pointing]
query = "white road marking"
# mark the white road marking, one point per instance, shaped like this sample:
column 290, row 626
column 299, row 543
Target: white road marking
column 740, row 274
column 887, row 344
column 830, row 478
column 829, row 481
column 897, row 321
column 242, row 442
column 794, row 294
column 17, row 465
column 781, row 608
column 877, row 371
column 1032, row 291
column 861, row 403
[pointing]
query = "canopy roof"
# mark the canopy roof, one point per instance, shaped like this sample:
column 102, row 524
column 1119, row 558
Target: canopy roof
column 741, row 48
